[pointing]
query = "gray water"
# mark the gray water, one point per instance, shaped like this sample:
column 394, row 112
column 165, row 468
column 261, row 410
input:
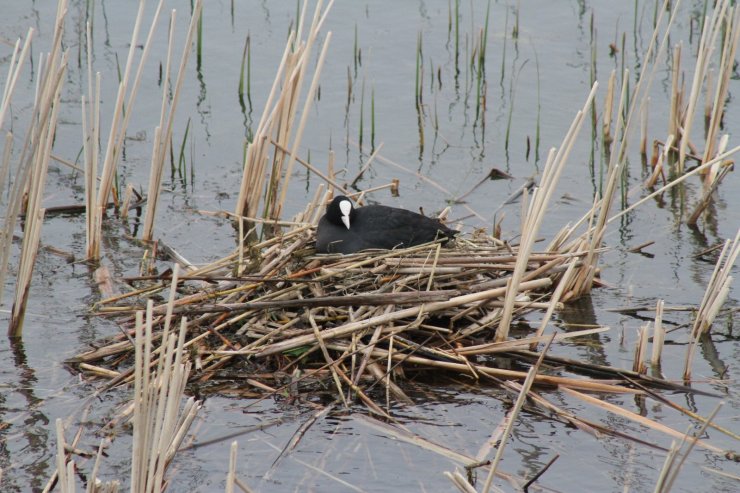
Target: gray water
column 535, row 84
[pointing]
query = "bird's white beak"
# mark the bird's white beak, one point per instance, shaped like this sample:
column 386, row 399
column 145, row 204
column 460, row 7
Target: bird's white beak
column 346, row 207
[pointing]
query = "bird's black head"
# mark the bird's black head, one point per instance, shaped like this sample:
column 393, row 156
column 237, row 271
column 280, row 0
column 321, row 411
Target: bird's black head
column 340, row 211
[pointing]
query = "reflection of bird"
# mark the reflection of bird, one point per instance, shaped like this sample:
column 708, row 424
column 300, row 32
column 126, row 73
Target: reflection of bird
column 344, row 229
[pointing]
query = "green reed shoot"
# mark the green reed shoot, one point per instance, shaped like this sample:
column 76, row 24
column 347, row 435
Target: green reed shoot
column 349, row 96
column 362, row 112
column 419, row 74
column 457, row 38
column 539, row 110
column 503, row 54
column 246, row 66
column 512, row 97
column 484, row 40
column 372, row 118
column 181, row 162
column 355, row 51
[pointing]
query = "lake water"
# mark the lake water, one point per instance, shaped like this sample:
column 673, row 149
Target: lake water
column 534, row 84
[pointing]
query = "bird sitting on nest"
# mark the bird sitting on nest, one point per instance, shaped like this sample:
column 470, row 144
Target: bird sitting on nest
column 346, row 229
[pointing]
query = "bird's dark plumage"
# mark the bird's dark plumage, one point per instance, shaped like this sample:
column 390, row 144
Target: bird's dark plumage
column 344, row 229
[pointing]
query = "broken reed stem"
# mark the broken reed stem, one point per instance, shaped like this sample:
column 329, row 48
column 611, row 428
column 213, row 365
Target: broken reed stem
column 638, row 365
column 511, row 418
column 715, row 295
column 6, row 234
column 163, row 133
column 711, row 183
column 302, row 123
column 34, row 170
column 659, row 165
column 276, row 124
column 676, row 95
column 536, row 212
column 658, row 335
column 595, row 233
column 91, row 148
column 65, row 468
column 637, row 418
column 671, row 469
column 119, row 124
column 712, row 28
column 351, row 327
column 14, row 69
column 159, row 423
column 717, row 106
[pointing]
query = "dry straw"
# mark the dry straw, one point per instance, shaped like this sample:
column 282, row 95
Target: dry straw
column 31, row 177
column 163, row 132
column 266, row 180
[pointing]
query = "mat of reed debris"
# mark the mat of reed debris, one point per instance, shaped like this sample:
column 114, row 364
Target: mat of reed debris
column 276, row 313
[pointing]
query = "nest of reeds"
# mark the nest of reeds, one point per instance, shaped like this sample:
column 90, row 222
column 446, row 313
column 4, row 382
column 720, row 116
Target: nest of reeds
column 275, row 314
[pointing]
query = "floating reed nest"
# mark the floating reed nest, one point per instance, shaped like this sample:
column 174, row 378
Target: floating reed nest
column 276, row 315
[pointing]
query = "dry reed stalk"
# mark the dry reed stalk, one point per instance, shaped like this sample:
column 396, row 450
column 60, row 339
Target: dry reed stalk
column 641, row 420
column 511, row 418
column 17, row 59
column 606, row 386
column 65, row 468
column 708, row 99
column 676, row 96
column 91, row 147
column 423, row 178
column 712, row 28
column 231, row 478
column 711, row 185
column 351, row 327
column 638, row 364
column 402, row 434
column 459, row 481
column 583, row 281
column 94, row 485
column 5, row 163
column 9, row 224
column 163, row 132
column 304, row 116
column 533, row 219
column 715, row 295
column 119, row 124
column 276, row 124
column 328, row 178
column 720, row 158
column 672, row 468
column 662, row 158
column 159, row 423
column 731, row 32
column 44, row 130
column 512, row 345
column 608, row 109
column 328, row 358
column 593, row 428
column 644, row 110
column 554, row 300
column 658, row 334
column 231, row 474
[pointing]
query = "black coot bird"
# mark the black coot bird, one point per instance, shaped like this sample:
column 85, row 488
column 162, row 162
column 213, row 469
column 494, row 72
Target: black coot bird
column 344, row 229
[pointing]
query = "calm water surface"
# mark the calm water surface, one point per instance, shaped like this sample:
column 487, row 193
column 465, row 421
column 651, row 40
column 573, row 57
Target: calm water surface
column 534, row 84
